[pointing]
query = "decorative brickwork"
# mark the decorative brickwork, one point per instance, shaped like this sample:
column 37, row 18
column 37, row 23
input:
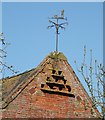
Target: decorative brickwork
column 52, row 90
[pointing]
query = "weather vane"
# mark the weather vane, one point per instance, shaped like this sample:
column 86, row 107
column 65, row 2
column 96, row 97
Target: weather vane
column 58, row 25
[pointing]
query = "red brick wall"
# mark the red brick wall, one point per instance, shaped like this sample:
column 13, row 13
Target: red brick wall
column 33, row 103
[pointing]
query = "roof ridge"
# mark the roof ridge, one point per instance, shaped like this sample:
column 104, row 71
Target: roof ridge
column 57, row 55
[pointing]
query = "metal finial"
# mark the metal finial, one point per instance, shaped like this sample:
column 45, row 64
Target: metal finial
column 57, row 25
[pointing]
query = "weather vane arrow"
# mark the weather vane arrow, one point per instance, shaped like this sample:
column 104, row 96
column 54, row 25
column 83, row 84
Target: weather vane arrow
column 58, row 25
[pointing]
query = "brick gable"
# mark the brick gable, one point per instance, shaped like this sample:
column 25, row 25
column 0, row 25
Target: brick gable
column 52, row 90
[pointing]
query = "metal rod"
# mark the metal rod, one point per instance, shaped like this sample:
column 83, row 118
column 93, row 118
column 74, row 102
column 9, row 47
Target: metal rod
column 57, row 36
column 57, row 25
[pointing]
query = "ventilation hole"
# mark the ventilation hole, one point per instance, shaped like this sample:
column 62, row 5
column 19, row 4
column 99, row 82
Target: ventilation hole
column 42, row 85
column 64, row 81
column 56, row 80
column 48, row 79
column 53, row 71
column 60, row 88
column 69, row 88
column 51, row 86
column 59, row 72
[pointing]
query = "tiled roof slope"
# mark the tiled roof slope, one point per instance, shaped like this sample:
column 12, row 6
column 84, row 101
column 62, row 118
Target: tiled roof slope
column 10, row 85
column 13, row 86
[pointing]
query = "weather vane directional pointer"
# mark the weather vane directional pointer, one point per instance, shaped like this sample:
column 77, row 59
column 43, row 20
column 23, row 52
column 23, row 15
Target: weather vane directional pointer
column 58, row 25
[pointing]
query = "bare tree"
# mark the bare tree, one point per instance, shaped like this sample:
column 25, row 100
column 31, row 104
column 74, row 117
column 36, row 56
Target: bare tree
column 94, row 77
column 3, row 55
